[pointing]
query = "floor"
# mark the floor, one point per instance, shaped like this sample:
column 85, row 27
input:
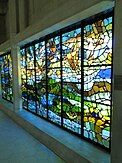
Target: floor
column 18, row 146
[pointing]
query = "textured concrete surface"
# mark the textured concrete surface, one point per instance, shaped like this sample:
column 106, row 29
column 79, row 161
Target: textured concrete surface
column 18, row 146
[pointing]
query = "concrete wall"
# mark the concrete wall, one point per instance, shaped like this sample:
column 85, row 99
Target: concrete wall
column 7, row 24
column 52, row 10
column 117, row 90
column 57, row 10
column 3, row 18
column 2, row 29
column 34, row 16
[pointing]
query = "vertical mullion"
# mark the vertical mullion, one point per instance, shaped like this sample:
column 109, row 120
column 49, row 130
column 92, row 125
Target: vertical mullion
column 26, row 74
column 46, row 77
column 82, row 79
column 12, row 76
column 61, row 59
column 8, row 75
column 35, row 76
column 111, row 104
column 3, row 77
column 1, row 74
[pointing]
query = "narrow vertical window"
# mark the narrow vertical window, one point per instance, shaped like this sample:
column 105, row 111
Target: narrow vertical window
column 6, row 77
column 41, row 79
column 31, row 79
column 54, row 79
column 23, row 78
column 71, row 76
column 97, row 80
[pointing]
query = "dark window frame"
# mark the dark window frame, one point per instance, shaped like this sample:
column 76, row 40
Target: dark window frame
column 80, row 24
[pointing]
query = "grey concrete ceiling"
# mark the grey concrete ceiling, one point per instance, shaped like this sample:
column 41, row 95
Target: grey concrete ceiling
column 3, row 7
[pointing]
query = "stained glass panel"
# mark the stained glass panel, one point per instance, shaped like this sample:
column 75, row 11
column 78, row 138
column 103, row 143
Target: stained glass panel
column 40, row 61
column 71, row 75
column 24, row 93
column 30, row 57
column 23, row 78
column 97, row 122
column 97, row 84
column 23, row 63
column 41, row 79
column 41, row 98
column 97, row 80
column 32, row 100
column 28, row 79
column 98, row 42
column 6, row 77
column 31, row 79
column 54, row 79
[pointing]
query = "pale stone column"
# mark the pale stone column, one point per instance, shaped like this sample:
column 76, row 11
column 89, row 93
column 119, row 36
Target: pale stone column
column 116, row 149
column 15, row 53
column 21, row 15
column 15, row 57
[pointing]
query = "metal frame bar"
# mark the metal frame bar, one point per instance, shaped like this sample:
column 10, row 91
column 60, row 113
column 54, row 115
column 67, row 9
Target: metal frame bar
column 61, row 80
column 82, row 80
column 46, row 78
column 35, row 78
column 112, row 79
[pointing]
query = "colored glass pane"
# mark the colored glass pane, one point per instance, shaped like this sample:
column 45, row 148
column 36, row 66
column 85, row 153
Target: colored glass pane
column 30, row 57
column 98, row 42
column 23, row 78
column 97, row 80
column 54, row 79
column 71, row 75
column 30, row 79
column 97, row 122
column 41, row 98
column 41, row 78
column 40, row 61
column 6, row 77
column 97, row 84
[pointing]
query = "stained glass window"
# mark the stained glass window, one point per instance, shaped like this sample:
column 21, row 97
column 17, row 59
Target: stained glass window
column 29, row 97
column 67, row 78
column 97, row 80
column 23, row 78
column 6, row 76
column 54, row 79
column 71, row 76
column 41, row 79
